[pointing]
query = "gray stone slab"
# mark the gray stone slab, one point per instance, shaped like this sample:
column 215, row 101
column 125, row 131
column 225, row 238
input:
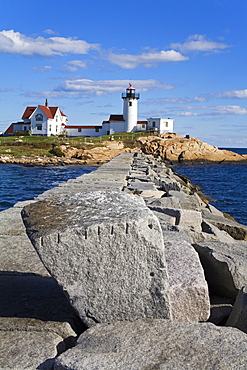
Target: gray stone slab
column 225, row 266
column 106, row 250
column 157, row 344
column 31, row 344
column 184, row 217
column 188, row 289
column 233, row 228
column 238, row 316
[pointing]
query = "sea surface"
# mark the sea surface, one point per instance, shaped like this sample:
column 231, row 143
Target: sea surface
column 18, row 182
column 225, row 184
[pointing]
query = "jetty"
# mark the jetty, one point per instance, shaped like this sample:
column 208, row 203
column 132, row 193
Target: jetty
column 128, row 267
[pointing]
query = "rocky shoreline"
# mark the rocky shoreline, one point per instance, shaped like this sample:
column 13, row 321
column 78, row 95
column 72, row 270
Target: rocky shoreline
column 154, row 276
column 170, row 148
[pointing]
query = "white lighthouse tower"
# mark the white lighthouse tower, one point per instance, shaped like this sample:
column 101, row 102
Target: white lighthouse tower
column 130, row 105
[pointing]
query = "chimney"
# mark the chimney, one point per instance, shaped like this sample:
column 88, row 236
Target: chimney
column 46, row 102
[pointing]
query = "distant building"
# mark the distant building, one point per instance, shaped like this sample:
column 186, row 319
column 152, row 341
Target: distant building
column 41, row 120
column 47, row 121
column 126, row 122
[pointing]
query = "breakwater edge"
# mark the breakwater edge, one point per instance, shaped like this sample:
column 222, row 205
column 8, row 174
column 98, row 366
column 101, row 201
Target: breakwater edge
column 140, row 256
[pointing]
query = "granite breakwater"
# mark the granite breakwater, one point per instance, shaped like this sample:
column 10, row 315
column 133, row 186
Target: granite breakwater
column 128, row 267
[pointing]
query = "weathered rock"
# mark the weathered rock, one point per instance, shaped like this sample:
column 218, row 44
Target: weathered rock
column 212, row 232
column 176, row 148
column 188, row 290
column 184, row 217
column 238, row 316
column 225, row 266
column 31, row 344
column 157, row 344
column 111, row 264
column 233, row 228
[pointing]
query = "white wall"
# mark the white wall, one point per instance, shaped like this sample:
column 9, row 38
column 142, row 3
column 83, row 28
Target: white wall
column 116, row 127
column 130, row 113
column 162, row 125
column 35, row 123
column 83, row 131
column 141, row 127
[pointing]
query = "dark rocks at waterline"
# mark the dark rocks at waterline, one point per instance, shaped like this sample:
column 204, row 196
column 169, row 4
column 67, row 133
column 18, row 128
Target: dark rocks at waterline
column 148, row 263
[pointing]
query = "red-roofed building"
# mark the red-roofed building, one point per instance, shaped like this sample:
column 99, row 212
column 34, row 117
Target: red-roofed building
column 41, row 120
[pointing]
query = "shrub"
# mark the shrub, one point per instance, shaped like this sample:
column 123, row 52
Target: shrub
column 57, row 152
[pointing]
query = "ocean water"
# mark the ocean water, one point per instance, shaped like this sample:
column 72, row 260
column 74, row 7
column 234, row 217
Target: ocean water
column 225, row 184
column 18, row 183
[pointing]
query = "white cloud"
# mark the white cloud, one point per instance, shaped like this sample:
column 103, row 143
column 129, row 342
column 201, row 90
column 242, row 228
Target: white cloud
column 50, row 32
column 199, row 43
column 42, row 69
column 16, row 43
column 129, row 61
column 102, row 87
column 240, row 94
column 74, row 65
column 187, row 114
column 230, row 109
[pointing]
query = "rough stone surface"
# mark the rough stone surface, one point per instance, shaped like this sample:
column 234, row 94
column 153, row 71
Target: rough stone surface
column 175, row 147
column 225, row 266
column 157, row 344
column 233, row 228
column 184, row 217
column 31, row 344
column 111, row 264
column 238, row 316
column 188, row 290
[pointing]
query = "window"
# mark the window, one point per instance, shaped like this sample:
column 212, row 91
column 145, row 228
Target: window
column 25, row 128
column 39, row 127
column 154, row 124
column 39, row 117
column 143, row 126
column 56, row 118
column 79, row 129
column 130, row 103
column 166, row 124
column 56, row 128
column 49, row 127
column 96, row 129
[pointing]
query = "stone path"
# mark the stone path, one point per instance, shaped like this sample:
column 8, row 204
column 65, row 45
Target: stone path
column 37, row 322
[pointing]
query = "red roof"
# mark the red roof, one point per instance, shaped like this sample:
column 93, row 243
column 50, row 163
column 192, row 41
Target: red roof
column 142, row 122
column 48, row 111
column 116, row 117
column 10, row 129
column 28, row 112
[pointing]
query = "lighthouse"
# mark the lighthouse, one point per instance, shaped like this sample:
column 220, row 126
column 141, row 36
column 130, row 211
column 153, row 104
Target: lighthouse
column 130, row 105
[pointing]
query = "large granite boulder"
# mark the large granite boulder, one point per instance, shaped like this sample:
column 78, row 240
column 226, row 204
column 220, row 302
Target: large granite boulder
column 238, row 316
column 225, row 266
column 106, row 251
column 32, row 344
column 188, row 292
column 157, row 344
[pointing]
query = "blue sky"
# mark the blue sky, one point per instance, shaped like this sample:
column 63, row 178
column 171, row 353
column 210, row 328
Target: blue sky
column 186, row 58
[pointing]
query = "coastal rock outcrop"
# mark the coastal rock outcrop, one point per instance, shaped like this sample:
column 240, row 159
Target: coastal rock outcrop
column 176, row 148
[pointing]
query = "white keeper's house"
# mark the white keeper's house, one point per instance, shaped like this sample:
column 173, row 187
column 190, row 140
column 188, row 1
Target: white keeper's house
column 41, row 120
column 47, row 121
